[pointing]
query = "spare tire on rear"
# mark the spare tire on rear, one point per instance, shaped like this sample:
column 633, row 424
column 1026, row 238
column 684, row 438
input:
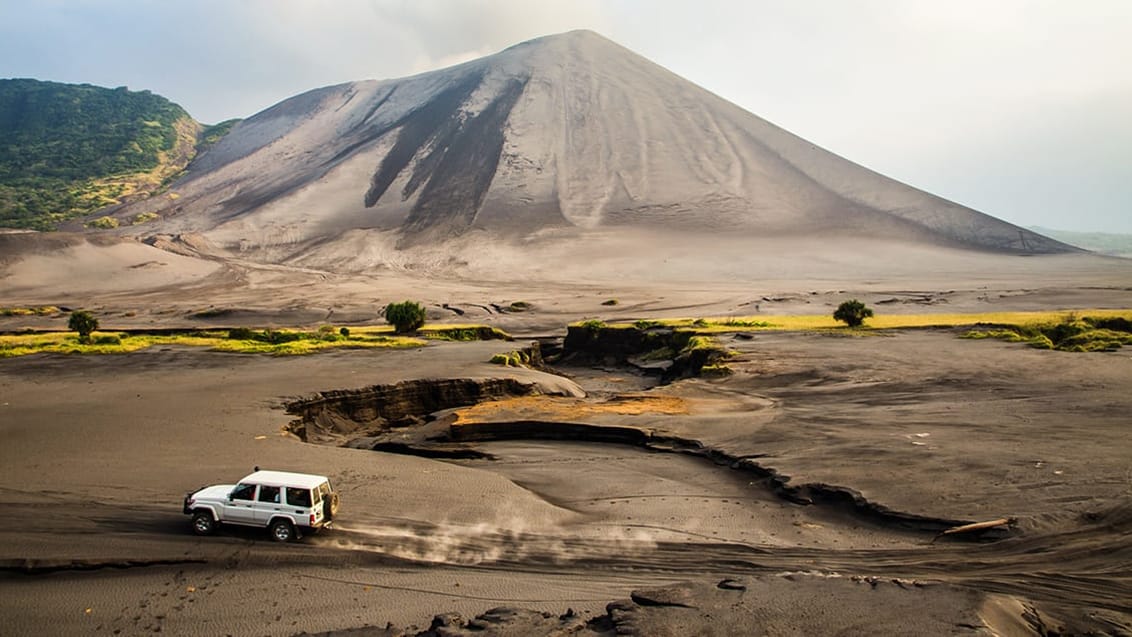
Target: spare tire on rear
column 329, row 506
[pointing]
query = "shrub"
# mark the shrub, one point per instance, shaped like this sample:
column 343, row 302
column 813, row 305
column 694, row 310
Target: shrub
column 103, row 223
column 344, row 332
column 853, row 313
column 1065, row 330
column 241, row 334
column 519, row 306
column 514, row 358
column 609, row 302
column 277, row 337
column 645, row 325
column 107, row 339
column 328, row 333
column 592, row 325
column 407, row 316
column 84, row 323
column 1115, row 323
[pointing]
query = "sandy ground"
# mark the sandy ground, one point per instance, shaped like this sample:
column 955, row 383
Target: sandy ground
column 850, row 453
column 98, row 452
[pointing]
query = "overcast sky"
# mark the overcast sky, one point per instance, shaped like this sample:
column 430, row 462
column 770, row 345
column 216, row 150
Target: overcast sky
column 1019, row 108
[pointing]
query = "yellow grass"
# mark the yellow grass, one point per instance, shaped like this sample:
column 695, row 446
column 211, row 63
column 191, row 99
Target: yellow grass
column 361, row 337
column 67, row 343
column 805, row 322
column 427, row 327
column 45, row 310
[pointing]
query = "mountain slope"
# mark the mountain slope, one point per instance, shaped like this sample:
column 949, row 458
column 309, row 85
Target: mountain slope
column 564, row 132
column 69, row 150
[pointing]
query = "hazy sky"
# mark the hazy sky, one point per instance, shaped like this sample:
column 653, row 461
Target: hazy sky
column 1019, row 108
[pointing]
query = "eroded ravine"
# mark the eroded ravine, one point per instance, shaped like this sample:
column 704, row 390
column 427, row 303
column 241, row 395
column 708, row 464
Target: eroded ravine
column 420, row 417
column 553, row 448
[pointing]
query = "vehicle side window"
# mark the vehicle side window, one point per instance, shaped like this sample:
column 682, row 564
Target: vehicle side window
column 298, row 497
column 269, row 494
column 244, row 492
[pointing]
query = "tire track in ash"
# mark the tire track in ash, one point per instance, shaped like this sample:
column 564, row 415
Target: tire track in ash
column 1085, row 561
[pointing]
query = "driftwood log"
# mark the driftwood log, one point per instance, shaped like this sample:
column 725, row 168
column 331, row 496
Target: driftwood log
column 976, row 526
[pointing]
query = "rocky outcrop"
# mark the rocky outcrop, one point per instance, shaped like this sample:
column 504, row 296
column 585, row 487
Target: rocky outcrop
column 670, row 352
column 332, row 415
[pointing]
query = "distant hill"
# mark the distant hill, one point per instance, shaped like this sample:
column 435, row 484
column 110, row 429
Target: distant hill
column 1114, row 244
column 70, row 149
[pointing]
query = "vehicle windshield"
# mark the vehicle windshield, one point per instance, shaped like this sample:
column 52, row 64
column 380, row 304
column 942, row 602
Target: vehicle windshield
column 243, row 492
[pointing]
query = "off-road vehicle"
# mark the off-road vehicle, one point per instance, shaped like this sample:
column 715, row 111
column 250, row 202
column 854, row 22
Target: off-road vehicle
column 287, row 504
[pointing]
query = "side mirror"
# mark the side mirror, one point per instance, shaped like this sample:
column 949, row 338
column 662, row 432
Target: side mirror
column 230, row 497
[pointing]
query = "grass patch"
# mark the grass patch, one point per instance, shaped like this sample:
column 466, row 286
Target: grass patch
column 44, row 310
column 659, row 354
column 697, row 342
column 592, row 325
column 717, row 370
column 266, row 342
column 242, row 340
column 514, row 358
column 1076, row 331
column 464, row 333
column 808, row 322
column 1070, row 333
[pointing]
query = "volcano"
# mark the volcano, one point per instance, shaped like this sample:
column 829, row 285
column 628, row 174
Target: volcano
column 569, row 132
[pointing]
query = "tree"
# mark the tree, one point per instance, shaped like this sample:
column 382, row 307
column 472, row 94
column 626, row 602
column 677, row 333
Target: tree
column 406, row 316
column 84, row 323
column 853, row 313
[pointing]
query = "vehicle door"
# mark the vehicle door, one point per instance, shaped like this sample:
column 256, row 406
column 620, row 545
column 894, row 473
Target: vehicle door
column 298, row 502
column 241, row 504
column 267, row 504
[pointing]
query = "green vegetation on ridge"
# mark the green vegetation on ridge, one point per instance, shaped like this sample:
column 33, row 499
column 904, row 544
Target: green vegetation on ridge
column 67, row 150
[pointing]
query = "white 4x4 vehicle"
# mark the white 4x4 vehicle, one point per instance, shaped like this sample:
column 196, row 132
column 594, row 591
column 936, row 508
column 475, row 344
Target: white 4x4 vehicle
column 285, row 503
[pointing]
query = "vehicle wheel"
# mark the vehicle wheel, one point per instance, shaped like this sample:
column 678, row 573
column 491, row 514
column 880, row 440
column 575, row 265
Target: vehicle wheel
column 203, row 523
column 282, row 531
